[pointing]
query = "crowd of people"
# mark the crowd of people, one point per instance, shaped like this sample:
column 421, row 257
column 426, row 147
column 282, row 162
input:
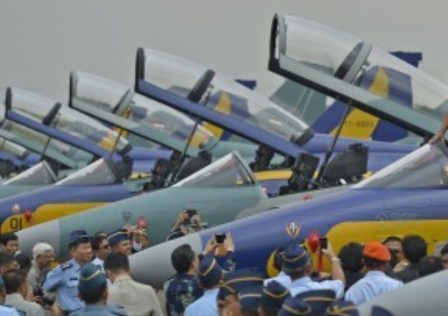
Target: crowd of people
column 97, row 279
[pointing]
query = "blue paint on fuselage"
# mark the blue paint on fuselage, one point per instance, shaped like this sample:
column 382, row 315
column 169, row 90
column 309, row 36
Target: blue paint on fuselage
column 253, row 248
column 64, row 194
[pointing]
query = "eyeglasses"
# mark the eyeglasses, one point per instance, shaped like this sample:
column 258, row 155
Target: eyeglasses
column 105, row 246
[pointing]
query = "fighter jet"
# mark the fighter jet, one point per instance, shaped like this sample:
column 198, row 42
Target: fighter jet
column 349, row 69
column 218, row 192
column 138, row 206
column 104, row 180
column 233, row 109
column 406, row 197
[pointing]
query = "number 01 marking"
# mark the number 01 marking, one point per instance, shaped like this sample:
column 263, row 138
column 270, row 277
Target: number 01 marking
column 15, row 223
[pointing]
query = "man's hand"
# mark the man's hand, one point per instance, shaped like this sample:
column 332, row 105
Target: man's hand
column 197, row 220
column 328, row 252
column 229, row 245
column 183, row 216
column 210, row 246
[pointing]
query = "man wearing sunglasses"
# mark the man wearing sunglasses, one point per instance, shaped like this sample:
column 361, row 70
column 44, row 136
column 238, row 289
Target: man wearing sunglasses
column 101, row 249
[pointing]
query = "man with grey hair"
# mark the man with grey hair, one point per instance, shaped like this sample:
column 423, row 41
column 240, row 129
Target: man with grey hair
column 43, row 256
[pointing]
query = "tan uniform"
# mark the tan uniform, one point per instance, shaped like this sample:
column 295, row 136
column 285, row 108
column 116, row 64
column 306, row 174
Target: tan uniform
column 137, row 299
column 20, row 304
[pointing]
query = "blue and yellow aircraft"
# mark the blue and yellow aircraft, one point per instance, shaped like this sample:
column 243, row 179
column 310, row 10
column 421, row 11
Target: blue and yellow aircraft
column 407, row 197
column 348, row 69
column 229, row 109
column 198, row 192
column 48, row 112
column 104, row 180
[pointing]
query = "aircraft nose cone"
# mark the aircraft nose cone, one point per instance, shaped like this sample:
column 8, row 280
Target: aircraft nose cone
column 153, row 265
column 48, row 232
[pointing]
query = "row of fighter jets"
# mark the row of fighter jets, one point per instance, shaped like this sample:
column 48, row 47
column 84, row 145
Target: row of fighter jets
column 187, row 137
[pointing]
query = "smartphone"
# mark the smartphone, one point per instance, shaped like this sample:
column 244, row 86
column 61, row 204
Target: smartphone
column 220, row 238
column 323, row 242
column 191, row 213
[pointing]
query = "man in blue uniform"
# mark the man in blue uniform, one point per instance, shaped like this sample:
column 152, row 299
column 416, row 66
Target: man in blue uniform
column 297, row 265
column 120, row 242
column 250, row 299
column 294, row 306
column 210, row 275
column 273, row 296
column 93, row 291
column 183, row 288
column 232, row 284
column 342, row 308
column 64, row 279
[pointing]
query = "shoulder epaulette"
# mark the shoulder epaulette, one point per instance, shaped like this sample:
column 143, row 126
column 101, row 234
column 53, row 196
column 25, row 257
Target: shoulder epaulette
column 66, row 265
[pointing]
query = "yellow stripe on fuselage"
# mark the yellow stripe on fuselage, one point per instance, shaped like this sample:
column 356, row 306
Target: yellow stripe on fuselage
column 433, row 231
column 224, row 105
column 44, row 214
column 360, row 124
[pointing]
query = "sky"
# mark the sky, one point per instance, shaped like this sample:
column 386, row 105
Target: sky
column 42, row 41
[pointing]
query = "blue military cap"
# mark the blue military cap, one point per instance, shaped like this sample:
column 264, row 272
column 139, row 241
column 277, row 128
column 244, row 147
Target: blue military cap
column 319, row 300
column 274, row 294
column 233, row 282
column 294, row 306
column 380, row 311
column 210, row 273
column 79, row 237
column 91, row 279
column 295, row 258
column 250, row 298
column 116, row 237
column 342, row 308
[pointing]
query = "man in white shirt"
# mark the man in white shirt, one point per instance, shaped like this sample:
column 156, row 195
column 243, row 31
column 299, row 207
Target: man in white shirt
column 282, row 277
column 137, row 299
column 375, row 282
column 101, row 249
column 16, row 288
column 296, row 263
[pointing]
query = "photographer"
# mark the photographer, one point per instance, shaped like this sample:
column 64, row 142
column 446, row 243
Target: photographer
column 188, row 222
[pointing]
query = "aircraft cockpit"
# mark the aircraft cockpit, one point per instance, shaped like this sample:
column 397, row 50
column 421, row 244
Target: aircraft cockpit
column 301, row 48
column 223, row 95
column 228, row 171
column 90, row 93
column 39, row 174
column 100, row 172
column 425, row 168
column 51, row 113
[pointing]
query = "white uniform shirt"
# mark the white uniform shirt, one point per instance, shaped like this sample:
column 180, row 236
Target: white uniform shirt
column 375, row 283
column 281, row 278
column 206, row 305
column 306, row 284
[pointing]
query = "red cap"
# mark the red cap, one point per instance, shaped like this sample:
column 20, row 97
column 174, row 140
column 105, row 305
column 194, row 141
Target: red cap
column 377, row 251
